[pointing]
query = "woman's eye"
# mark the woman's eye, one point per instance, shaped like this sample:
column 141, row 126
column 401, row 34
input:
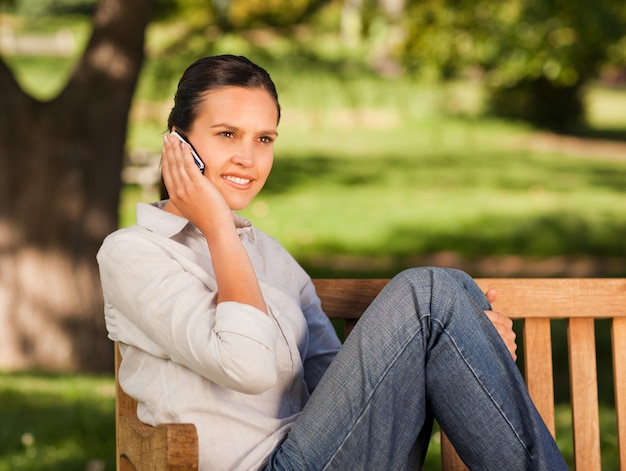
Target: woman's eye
column 227, row 134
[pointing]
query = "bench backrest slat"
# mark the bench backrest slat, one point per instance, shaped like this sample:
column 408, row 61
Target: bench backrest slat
column 538, row 367
column 584, row 393
column 618, row 335
column 347, row 299
column 559, row 297
column 517, row 297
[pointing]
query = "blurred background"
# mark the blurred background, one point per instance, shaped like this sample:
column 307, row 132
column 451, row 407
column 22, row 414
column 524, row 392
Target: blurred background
column 487, row 136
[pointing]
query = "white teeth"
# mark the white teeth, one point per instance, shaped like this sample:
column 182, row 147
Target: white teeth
column 238, row 180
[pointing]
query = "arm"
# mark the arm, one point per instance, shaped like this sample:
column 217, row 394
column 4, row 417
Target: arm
column 196, row 199
column 169, row 310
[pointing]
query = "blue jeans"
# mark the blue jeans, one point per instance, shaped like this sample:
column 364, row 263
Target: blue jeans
column 424, row 349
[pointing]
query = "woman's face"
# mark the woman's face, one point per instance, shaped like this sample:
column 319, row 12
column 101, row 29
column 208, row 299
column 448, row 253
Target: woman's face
column 234, row 134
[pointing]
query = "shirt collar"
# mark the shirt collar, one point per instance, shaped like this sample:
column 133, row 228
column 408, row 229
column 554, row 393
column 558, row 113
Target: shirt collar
column 154, row 218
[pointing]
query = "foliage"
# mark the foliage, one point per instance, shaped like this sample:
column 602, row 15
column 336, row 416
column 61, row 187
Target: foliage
column 55, row 7
column 248, row 13
column 7, row 4
column 539, row 49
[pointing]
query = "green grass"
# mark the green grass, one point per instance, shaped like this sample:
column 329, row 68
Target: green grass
column 56, row 422
column 66, row 422
column 393, row 192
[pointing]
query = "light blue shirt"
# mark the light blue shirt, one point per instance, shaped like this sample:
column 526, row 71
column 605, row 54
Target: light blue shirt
column 241, row 376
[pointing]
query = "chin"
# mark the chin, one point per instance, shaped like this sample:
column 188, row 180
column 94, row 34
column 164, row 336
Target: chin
column 238, row 205
column 240, row 200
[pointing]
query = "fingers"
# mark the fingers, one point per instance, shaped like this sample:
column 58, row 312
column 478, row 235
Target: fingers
column 177, row 166
column 499, row 319
column 504, row 326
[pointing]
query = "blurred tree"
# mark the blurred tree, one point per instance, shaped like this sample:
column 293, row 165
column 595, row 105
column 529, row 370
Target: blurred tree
column 241, row 14
column 537, row 55
column 60, row 164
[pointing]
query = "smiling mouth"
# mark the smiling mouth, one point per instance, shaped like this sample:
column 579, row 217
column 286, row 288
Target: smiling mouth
column 237, row 180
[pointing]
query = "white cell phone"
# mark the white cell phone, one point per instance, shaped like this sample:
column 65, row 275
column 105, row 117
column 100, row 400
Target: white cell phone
column 196, row 157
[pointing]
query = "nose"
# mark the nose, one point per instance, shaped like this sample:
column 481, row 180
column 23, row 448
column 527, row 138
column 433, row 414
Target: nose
column 244, row 155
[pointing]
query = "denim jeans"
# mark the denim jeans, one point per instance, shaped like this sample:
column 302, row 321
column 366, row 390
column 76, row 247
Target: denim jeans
column 423, row 350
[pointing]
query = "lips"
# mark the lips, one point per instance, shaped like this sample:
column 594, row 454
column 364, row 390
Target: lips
column 237, row 180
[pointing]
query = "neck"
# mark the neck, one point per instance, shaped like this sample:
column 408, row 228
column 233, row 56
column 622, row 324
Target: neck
column 171, row 208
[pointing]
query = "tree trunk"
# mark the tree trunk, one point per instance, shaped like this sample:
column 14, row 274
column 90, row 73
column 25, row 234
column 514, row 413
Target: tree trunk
column 60, row 164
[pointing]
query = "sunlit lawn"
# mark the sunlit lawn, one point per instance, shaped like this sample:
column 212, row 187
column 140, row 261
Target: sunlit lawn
column 459, row 187
column 56, row 422
column 383, row 195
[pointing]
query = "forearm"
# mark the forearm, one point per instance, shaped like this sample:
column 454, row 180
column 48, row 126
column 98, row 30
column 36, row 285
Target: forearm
column 235, row 275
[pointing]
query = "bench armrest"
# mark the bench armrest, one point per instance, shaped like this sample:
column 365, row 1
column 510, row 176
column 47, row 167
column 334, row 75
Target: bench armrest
column 165, row 447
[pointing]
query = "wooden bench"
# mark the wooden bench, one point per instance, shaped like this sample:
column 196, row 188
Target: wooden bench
column 536, row 301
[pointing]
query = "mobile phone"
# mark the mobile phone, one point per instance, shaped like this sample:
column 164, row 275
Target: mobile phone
column 196, row 157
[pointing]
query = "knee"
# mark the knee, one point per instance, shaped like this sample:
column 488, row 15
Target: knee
column 448, row 282
column 440, row 279
column 430, row 272
column 459, row 275
column 429, row 277
column 428, row 291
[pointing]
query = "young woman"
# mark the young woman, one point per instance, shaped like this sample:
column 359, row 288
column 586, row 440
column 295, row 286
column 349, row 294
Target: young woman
column 219, row 326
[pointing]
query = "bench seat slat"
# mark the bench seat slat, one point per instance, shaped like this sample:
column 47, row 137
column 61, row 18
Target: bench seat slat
column 584, row 391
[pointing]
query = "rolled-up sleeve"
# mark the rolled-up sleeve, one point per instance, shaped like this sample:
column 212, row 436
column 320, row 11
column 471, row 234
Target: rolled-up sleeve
column 242, row 365
column 157, row 305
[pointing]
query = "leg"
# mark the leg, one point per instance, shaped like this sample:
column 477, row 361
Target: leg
column 423, row 348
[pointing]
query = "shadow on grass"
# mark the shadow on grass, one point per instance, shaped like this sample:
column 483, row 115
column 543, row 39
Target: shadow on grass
column 617, row 135
column 555, row 233
column 516, row 170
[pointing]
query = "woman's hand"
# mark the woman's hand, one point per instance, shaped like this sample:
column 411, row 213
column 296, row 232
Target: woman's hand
column 503, row 325
column 192, row 195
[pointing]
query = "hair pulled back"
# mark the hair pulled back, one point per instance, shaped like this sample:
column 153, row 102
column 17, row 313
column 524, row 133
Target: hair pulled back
column 210, row 73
